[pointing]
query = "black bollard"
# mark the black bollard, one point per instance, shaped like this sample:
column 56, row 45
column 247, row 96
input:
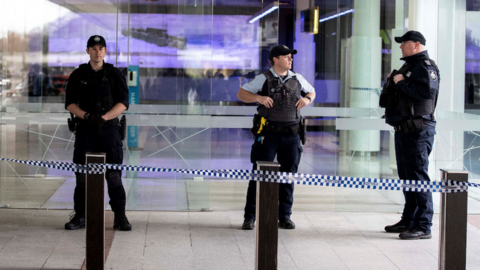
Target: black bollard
column 267, row 220
column 95, row 215
column 453, row 225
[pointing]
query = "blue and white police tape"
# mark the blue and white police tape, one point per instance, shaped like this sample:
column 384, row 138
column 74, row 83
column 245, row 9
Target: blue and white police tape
column 444, row 186
column 64, row 166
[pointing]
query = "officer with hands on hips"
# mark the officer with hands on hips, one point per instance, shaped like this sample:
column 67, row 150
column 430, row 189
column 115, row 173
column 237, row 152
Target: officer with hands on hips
column 97, row 94
column 409, row 97
column 278, row 126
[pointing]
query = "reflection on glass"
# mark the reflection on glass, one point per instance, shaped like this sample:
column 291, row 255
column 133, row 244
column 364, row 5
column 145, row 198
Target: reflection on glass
column 191, row 60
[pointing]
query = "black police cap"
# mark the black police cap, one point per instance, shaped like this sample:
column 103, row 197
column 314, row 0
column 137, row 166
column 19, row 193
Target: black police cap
column 94, row 40
column 280, row 50
column 412, row 36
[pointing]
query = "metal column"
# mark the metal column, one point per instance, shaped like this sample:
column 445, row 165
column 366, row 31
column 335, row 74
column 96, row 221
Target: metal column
column 267, row 220
column 95, row 215
column 453, row 225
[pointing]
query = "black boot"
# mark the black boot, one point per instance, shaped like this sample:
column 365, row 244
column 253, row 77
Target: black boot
column 76, row 222
column 248, row 224
column 286, row 224
column 398, row 227
column 121, row 223
column 415, row 234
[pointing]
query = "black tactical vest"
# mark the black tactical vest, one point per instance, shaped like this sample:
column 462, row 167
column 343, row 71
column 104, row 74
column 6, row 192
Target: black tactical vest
column 406, row 107
column 95, row 92
column 284, row 96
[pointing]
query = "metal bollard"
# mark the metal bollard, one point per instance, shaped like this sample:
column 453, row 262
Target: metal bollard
column 453, row 225
column 267, row 220
column 95, row 215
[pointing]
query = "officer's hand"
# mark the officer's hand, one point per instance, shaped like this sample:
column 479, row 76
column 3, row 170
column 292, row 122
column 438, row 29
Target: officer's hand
column 265, row 101
column 95, row 120
column 302, row 103
column 398, row 77
column 389, row 75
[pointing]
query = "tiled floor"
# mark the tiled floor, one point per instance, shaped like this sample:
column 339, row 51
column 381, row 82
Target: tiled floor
column 35, row 239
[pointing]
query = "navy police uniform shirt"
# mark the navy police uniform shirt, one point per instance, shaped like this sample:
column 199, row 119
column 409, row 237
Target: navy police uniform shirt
column 421, row 82
column 119, row 92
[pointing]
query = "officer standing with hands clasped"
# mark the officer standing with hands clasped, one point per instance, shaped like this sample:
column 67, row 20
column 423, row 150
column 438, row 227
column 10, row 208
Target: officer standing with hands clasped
column 409, row 97
column 97, row 94
column 278, row 126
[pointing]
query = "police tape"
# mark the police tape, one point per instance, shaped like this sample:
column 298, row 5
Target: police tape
column 444, row 186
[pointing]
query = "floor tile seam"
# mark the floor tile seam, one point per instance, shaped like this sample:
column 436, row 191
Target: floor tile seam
column 474, row 224
column 359, row 229
column 49, row 255
column 51, row 195
column 145, row 239
column 376, row 247
column 326, row 242
column 7, row 245
column 190, row 230
column 288, row 252
column 472, row 253
column 236, row 241
column 388, row 258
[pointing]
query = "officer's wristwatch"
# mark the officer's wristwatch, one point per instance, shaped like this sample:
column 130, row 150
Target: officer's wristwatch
column 309, row 98
column 86, row 115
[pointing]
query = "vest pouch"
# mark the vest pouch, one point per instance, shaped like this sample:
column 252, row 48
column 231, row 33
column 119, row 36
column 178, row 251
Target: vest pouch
column 72, row 125
column 123, row 127
column 302, row 131
column 406, row 106
column 412, row 125
column 393, row 121
column 384, row 100
column 418, row 124
column 295, row 129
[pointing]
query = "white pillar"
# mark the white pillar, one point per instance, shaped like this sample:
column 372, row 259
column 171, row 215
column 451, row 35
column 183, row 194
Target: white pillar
column 423, row 17
column 365, row 69
column 398, row 31
column 451, row 47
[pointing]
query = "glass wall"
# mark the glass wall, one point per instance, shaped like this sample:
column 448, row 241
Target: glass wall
column 189, row 59
column 185, row 61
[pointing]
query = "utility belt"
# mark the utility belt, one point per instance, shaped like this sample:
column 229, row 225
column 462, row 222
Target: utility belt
column 108, row 123
column 410, row 125
column 290, row 130
column 261, row 124
column 73, row 123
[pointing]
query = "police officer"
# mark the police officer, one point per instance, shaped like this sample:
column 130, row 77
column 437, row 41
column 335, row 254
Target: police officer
column 97, row 94
column 409, row 97
column 281, row 94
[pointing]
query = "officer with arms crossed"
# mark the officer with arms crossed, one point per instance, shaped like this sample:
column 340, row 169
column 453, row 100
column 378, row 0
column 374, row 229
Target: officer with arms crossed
column 409, row 97
column 277, row 126
column 97, row 94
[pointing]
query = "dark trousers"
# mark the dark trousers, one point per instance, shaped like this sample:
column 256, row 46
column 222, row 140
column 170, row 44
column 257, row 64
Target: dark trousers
column 412, row 151
column 288, row 151
column 107, row 140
